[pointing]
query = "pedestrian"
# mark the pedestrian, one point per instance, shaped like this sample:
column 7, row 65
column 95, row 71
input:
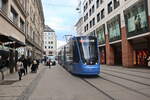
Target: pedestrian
column 25, row 64
column 148, row 61
column 37, row 63
column 49, row 63
column 21, row 69
column 34, row 66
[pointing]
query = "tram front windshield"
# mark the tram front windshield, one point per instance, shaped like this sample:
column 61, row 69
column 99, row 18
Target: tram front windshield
column 88, row 50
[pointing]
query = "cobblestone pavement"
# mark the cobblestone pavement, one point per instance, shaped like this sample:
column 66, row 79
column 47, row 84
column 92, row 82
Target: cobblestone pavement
column 13, row 89
column 113, row 83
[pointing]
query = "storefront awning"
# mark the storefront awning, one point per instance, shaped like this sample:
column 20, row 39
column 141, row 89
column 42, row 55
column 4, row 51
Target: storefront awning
column 15, row 43
column 4, row 38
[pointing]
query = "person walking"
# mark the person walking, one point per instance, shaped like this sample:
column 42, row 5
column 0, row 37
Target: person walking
column 20, row 69
column 25, row 64
column 49, row 63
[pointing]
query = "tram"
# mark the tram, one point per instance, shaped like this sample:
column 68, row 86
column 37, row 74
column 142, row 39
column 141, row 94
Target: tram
column 80, row 56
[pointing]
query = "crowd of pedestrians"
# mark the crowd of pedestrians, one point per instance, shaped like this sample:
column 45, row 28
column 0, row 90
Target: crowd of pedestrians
column 24, row 63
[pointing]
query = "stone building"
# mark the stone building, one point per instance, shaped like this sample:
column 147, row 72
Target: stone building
column 34, row 28
column 21, row 25
column 122, row 28
column 50, row 41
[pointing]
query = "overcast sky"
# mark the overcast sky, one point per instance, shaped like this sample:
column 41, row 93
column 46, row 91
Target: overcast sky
column 61, row 15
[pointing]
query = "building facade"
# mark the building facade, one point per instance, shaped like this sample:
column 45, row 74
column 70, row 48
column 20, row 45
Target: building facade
column 34, row 29
column 50, row 41
column 79, row 27
column 21, row 29
column 122, row 28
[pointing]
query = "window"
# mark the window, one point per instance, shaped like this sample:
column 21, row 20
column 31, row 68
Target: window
column 21, row 24
column 101, row 1
column 90, row 12
column 90, row 24
column 84, row 28
column 93, row 9
column 102, row 14
column 3, row 5
column 93, row 20
column 75, row 53
column 110, row 8
column 89, row 2
column 97, row 3
column 14, row 16
column 116, row 3
column 51, row 42
column 87, row 26
column 49, row 47
column 113, row 27
column 100, row 31
column 98, row 17
column 86, row 17
column 45, row 47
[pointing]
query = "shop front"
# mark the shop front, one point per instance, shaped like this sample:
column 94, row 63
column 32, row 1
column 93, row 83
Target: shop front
column 137, row 27
column 100, row 31
column 114, row 32
column 141, row 51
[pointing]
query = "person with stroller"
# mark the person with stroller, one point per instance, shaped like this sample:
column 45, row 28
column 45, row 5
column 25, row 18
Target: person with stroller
column 34, row 66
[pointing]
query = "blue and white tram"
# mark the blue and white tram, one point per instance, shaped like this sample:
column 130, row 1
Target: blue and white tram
column 80, row 56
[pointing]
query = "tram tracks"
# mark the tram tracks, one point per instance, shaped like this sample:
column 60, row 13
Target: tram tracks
column 106, row 93
column 126, row 73
column 125, row 78
column 128, row 69
column 98, row 89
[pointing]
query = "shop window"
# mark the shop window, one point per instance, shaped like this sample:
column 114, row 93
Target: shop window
column 141, row 57
column 114, row 28
column 136, row 19
column 100, row 31
column 116, row 3
column 110, row 7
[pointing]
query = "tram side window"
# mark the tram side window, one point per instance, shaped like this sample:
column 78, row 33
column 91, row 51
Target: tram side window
column 75, row 53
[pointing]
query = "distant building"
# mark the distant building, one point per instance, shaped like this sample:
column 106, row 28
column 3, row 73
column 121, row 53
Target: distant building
column 79, row 27
column 50, row 41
